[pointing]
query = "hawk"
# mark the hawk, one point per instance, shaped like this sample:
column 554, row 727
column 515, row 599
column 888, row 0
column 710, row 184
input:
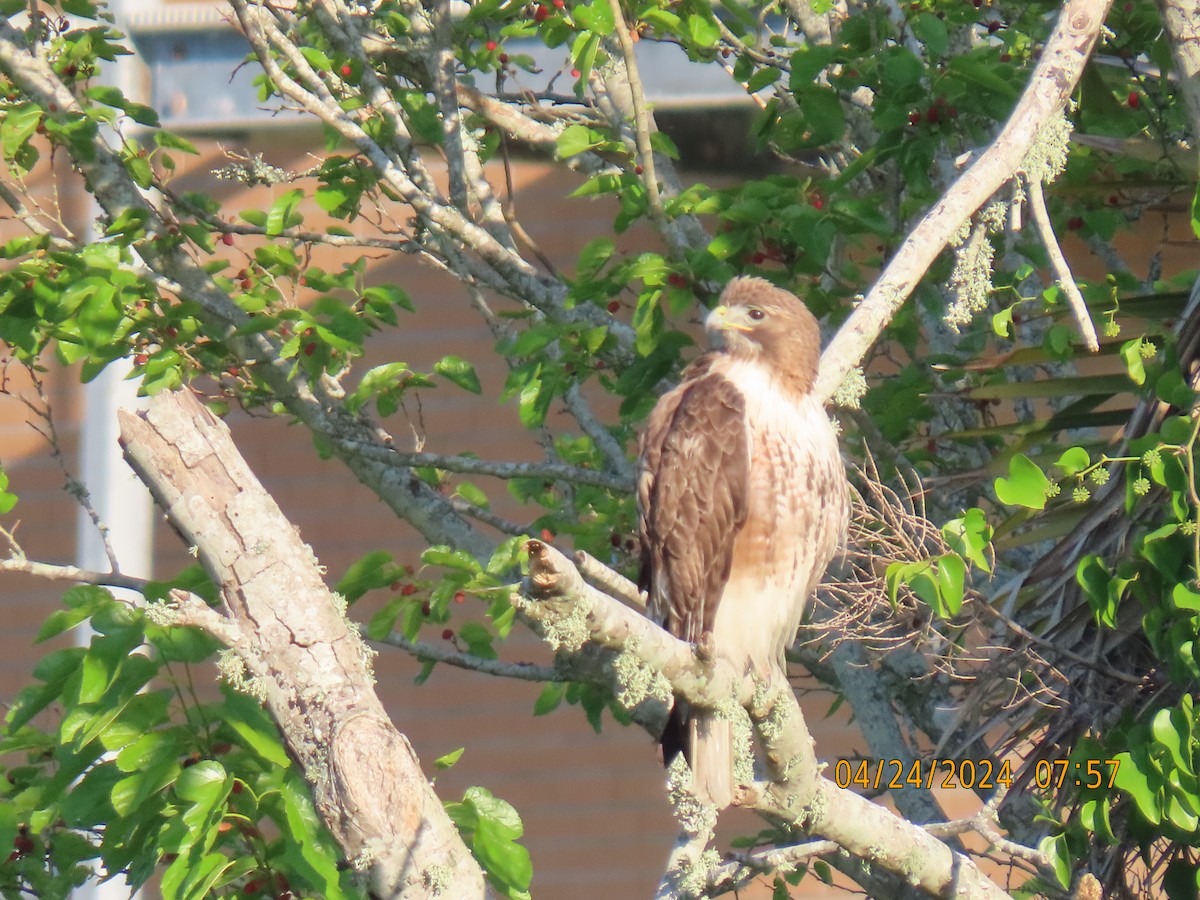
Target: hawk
column 742, row 502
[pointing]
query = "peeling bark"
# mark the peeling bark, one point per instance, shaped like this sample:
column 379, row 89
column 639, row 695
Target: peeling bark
column 298, row 652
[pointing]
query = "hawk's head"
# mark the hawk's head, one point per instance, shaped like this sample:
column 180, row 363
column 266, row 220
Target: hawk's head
column 755, row 320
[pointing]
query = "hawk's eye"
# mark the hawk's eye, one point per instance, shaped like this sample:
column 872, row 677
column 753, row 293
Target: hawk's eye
column 756, row 314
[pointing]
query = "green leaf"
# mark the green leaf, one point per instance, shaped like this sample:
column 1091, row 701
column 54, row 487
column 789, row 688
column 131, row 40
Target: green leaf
column 577, row 139
column 375, row 570
column 1055, row 847
column 1135, row 365
column 459, row 371
column 281, row 215
column 389, row 294
column 702, row 28
column 1074, row 461
column 951, row 578
column 205, row 784
column 7, row 500
column 450, row 559
column 1132, row 781
column 1025, row 485
column 506, row 862
column 445, row 762
column 932, row 32
column 970, row 536
column 1195, row 210
column 256, row 729
column 549, row 699
column 309, row 847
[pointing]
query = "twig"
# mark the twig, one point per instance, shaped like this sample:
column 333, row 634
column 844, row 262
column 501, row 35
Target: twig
column 609, row 580
column 1062, row 271
column 641, row 118
column 187, row 609
column 521, row 671
column 743, row 866
column 469, row 465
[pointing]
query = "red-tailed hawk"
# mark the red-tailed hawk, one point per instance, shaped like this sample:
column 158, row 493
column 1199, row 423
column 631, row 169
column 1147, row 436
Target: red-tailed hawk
column 742, row 502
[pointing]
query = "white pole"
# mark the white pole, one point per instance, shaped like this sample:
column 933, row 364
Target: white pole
column 121, row 501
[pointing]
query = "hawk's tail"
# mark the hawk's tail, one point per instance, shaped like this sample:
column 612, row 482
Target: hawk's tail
column 706, row 741
column 711, row 739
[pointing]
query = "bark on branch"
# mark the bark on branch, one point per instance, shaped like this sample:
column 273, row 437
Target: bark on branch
column 299, row 653
column 570, row 614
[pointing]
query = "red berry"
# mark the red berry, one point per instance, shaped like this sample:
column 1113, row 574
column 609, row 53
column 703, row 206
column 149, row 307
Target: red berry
column 541, row 13
column 408, row 590
column 1005, row 57
column 1134, row 100
column 993, row 26
column 1114, row 200
column 1074, row 223
column 914, row 118
column 227, row 239
column 491, row 45
column 310, row 348
column 503, row 59
column 140, row 359
column 637, row 170
column 237, row 787
column 547, row 535
column 677, row 280
column 758, row 259
column 460, row 597
column 447, row 634
column 978, row 3
column 931, row 115
column 614, row 306
column 818, row 203
column 575, row 73
column 347, row 71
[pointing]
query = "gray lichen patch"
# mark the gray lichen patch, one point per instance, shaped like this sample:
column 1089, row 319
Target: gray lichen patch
column 694, row 816
column 237, row 675
column 638, row 681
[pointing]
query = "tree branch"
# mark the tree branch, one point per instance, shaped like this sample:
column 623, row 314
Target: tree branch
column 569, row 614
column 1062, row 271
column 1050, row 86
column 298, row 652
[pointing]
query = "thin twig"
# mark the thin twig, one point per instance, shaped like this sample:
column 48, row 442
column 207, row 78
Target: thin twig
column 641, row 118
column 522, row 671
column 1062, row 271
column 470, row 465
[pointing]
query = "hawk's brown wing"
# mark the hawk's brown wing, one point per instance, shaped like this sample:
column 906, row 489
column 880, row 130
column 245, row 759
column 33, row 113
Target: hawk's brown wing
column 692, row 491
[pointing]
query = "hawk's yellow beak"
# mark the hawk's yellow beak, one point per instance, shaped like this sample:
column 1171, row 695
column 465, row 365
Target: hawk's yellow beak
column 725, row 319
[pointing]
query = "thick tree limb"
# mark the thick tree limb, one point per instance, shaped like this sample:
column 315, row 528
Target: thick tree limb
column 1050, row 86
column 299, row 653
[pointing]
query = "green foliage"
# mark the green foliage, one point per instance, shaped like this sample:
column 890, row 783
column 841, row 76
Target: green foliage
column 865, row 130
column 110, row 757
column 491, row 828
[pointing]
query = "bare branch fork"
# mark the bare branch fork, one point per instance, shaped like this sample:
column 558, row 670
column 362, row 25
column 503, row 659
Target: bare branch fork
column 1050, row 86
